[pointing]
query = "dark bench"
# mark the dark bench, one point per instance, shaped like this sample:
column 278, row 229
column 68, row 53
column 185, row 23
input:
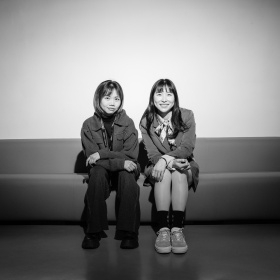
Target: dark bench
column 45, row 180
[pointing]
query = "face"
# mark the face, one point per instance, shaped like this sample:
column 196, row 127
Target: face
column 164, row 101
column 110, row 103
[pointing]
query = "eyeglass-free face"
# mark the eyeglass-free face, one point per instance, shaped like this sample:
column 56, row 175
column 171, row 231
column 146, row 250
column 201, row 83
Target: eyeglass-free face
column 110, row 103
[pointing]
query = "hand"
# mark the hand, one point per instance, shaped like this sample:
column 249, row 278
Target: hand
column 181, row 164
column 92, row 159
column 158, row 170
column 129, row 165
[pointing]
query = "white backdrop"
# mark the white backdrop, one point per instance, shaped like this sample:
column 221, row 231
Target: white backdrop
column 222, row 55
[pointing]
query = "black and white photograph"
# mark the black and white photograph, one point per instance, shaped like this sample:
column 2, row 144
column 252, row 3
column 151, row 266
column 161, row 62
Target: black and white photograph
column 139, row 139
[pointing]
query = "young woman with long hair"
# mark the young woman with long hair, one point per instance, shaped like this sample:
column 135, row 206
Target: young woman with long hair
column 169, row 136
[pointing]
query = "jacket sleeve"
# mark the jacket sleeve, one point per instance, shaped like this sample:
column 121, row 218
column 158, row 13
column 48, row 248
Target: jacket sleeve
column 187, row 145
column 114, row 164
column 89, row 145
column 152, row 151
column 130, row 146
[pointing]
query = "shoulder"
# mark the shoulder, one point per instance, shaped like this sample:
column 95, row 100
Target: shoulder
column 186, row 114
column 143, row 122
column 124, row 119
column 89, row 122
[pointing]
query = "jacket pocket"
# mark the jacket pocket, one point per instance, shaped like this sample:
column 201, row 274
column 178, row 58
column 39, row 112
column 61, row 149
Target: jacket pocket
column 118, row 143
column 99, row 141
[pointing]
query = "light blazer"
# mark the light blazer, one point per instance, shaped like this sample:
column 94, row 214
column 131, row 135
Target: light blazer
column 185, row 142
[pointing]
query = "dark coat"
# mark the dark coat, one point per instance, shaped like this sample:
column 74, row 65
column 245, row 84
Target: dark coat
column 125, row 145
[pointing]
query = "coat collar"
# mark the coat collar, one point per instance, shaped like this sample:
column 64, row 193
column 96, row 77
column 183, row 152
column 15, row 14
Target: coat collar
column 121, row 118
column 96, row 124
column 155, row 122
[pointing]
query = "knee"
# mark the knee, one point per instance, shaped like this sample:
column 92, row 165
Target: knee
column 98, row 176
column 181, row 178
column 97, row 171
column 126, row 176
column 127, row 180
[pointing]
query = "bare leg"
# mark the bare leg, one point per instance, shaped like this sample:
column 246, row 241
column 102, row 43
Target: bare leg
column 180, row 183
column 180, row 190
column 163, row 192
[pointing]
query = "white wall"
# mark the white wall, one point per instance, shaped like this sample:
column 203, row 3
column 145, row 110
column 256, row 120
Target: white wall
column 222, row 55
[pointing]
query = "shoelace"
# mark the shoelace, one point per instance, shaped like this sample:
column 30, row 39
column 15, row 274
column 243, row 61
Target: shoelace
column 164, row 234
column 179, row 236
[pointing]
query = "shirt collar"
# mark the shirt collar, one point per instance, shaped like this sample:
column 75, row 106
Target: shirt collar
column 166, row 120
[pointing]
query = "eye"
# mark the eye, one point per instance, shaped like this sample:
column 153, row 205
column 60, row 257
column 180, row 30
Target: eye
column 107, row 97
column 117, row 99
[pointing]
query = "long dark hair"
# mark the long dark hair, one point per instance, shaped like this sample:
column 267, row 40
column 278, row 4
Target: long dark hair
column 176, row 119
column 106, row 88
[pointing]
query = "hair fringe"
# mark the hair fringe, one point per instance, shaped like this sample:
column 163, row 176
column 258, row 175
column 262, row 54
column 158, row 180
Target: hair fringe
column 106, row 88
column 176, row 119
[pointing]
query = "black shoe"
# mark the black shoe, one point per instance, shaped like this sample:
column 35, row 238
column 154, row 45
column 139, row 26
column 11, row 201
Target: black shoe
column 130, row 241
column 91, row 241
column 120, row 234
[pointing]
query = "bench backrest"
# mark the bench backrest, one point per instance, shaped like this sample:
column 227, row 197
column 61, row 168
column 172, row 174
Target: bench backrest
column 214, row 155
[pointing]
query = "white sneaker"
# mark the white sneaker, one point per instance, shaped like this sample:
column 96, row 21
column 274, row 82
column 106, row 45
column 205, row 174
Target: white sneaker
column 178, row 242
column 163, row 245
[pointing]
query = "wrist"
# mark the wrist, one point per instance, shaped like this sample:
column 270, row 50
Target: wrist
column 165, row 161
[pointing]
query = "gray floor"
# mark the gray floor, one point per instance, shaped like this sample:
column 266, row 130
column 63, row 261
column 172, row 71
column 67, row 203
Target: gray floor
column 215, row 252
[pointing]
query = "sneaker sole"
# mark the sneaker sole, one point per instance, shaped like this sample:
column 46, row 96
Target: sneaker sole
column 179, row 250
column 163, row 250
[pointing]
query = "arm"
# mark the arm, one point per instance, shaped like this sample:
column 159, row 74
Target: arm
column 128, row 146
column 159, row 161
column 169, row 161
column 187, row 145
column 153, row 153
column 115, row 164
column 89, row 145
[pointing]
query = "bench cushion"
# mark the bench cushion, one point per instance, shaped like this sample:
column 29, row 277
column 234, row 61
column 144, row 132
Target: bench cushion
column 220, row 197
column 44, row 180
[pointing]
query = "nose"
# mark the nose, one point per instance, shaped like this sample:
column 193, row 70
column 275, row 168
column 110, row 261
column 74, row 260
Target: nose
column 163, row 99
column 112, row 102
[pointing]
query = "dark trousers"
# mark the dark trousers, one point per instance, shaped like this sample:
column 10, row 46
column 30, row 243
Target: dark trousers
column 94, row 216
